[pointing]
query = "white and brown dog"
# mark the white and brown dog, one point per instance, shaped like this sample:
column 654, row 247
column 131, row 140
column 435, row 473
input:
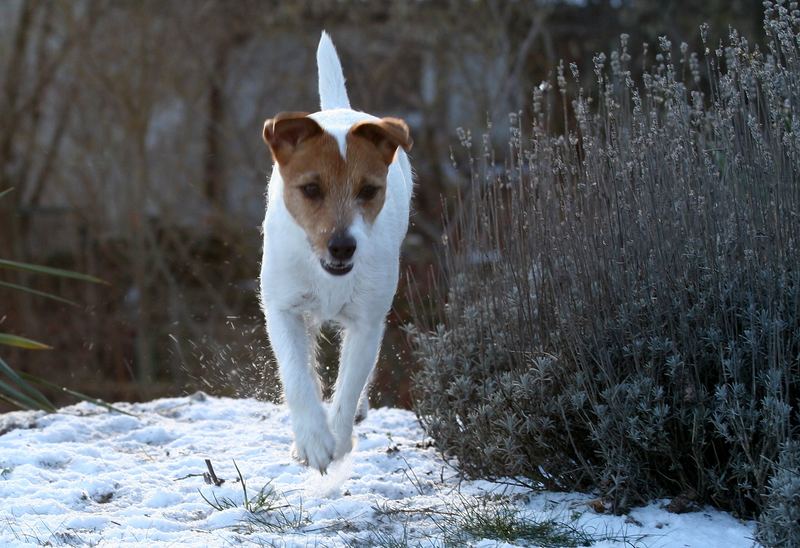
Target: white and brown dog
column 337, row 212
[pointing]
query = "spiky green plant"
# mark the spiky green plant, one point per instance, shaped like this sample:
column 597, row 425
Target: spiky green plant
column 18, row 388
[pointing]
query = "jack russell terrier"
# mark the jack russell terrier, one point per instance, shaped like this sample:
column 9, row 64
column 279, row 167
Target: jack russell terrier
column 337, row 212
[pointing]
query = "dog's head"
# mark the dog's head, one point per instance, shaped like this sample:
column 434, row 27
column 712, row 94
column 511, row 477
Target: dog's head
column 326, row 193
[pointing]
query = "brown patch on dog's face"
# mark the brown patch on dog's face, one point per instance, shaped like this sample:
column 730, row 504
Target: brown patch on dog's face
column 323, row 191
column 385, row 134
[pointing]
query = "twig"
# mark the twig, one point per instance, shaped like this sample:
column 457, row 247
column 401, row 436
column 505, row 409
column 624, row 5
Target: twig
column 187, row 476
column 210, row 476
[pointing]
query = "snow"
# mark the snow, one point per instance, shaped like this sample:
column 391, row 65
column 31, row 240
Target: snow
column 86, row 476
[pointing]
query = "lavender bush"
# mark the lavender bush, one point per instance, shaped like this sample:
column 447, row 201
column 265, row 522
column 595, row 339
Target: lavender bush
column 620, row 309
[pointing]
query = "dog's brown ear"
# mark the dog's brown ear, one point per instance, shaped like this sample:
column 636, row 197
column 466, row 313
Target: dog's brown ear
column 286, row 131
column 387, row 134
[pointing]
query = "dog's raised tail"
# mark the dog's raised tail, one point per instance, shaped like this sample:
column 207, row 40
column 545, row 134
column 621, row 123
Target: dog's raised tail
column 332, row 93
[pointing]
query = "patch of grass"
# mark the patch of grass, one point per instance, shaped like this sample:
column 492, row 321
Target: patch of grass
column 267, row 509
column 281, row 518
column 383, row 539
column 43, row 535
column 471, row 519
column 482, row 520
column 262, row 501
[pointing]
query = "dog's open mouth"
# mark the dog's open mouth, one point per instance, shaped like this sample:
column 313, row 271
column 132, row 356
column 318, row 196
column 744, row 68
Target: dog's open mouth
column 337, row 269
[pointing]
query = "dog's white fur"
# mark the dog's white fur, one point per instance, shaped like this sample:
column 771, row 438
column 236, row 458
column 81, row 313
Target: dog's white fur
column 298, row 296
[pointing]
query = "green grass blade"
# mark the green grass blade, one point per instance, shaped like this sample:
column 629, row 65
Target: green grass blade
column 6, row 191
column 215, row 505
column 81, row 396
column 245, row 503
column 49, row 270
column 37, row 292
column 11, row 392
column 12, row 401
column 21, row 342
column 31, row 390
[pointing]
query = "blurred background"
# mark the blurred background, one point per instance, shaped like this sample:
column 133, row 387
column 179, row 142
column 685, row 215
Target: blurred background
column 130, row 132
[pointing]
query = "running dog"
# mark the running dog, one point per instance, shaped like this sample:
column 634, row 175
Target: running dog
column 337, row 211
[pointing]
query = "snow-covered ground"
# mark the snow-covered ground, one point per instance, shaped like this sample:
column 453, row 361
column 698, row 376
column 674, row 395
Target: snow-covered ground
column 86, row 476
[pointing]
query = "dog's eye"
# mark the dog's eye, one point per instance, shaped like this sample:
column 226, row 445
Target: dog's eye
column 368, row 192
column 312, row 191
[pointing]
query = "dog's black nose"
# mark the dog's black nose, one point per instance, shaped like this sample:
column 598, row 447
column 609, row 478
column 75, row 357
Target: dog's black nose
column 342, row 246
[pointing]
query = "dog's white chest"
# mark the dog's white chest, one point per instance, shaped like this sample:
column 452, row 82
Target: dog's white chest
column 323, row 305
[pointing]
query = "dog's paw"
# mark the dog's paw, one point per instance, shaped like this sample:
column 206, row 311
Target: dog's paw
column 344, row 444
column 363, row 409
column 343, row 434
column 314, row 445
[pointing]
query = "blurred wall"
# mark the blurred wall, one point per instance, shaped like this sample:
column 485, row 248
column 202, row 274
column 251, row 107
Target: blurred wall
column 130, row 132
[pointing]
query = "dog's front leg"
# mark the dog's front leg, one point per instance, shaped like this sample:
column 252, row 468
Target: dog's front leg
column 291, row 343
column 360, row 348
